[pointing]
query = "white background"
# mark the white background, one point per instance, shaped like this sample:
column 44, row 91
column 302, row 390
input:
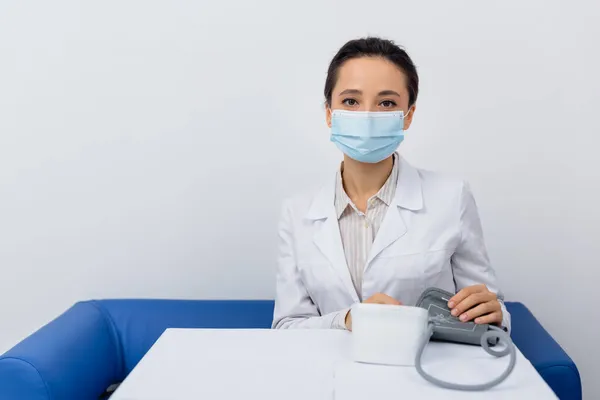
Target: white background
column 146, row 146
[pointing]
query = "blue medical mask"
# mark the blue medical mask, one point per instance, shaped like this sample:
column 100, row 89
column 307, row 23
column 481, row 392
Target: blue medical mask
column 368, row 137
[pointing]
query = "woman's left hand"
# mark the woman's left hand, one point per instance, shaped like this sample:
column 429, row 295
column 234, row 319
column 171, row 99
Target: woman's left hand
column 478, row 303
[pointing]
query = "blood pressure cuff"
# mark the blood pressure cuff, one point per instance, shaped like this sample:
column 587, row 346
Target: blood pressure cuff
column 446, row 327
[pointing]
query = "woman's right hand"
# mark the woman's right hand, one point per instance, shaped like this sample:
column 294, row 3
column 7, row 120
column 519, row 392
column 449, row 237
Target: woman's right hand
column 377, row 298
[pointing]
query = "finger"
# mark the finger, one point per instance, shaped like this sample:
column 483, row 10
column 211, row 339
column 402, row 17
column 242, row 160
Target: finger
column 382, row 298
column 472, row 301
column 464, row 293
column 481, row 309
column 458, row 297
column 372, row 300
column 493, row 318
column 467, row 303
column 385, row 299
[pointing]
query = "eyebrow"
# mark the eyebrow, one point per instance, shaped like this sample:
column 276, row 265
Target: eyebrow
column 389, row 93
column 350, row 91
column 382, row 93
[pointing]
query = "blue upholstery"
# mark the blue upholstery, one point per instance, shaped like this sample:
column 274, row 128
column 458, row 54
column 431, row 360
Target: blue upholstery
column 73, row 357
column 140, row 322
column 97, row 343
column 548, row 358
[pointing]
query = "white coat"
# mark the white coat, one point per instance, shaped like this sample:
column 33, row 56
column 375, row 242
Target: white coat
column 431, row 236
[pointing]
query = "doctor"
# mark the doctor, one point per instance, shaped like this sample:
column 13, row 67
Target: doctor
column 381, row 231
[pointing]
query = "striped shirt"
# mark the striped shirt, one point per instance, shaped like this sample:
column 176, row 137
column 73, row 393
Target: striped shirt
column 358, row 229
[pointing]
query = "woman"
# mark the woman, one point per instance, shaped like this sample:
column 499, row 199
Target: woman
column 382, row 231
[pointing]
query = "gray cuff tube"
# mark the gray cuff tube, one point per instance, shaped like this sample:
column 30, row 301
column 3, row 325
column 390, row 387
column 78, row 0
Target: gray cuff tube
column 492, row 335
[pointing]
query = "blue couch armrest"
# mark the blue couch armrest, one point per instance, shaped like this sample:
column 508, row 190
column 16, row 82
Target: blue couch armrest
column 548, row 358
column 140, row 322
column 76, row 356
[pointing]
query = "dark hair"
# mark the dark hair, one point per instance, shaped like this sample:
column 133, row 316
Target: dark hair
column 374, row 47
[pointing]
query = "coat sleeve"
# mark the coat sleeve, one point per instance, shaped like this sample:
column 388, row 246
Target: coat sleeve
column 470, row 262
column 293, row 306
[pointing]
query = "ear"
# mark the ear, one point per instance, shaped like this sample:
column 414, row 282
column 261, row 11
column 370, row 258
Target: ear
column 328, row 115
column 409, row 116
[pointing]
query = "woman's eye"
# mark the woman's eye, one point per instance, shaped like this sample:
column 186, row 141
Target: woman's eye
column 388, row 104
column 350, row 102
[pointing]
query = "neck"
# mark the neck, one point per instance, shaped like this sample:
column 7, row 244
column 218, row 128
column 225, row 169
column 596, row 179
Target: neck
column 362, row 180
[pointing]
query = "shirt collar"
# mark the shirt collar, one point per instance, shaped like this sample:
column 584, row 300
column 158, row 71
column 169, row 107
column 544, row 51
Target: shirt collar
column 386, row 193
column 408, row 193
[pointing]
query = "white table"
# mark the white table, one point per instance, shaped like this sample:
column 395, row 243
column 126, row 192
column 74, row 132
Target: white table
column 308, row 364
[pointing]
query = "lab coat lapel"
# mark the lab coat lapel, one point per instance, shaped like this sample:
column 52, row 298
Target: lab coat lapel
column 392, row 228
column 327, row 236
column 408, row 196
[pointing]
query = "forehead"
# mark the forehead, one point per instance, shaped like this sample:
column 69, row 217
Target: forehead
column 370, row 74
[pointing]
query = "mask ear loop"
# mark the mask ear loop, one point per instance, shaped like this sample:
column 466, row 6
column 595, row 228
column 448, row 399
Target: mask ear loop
column 494, row 334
